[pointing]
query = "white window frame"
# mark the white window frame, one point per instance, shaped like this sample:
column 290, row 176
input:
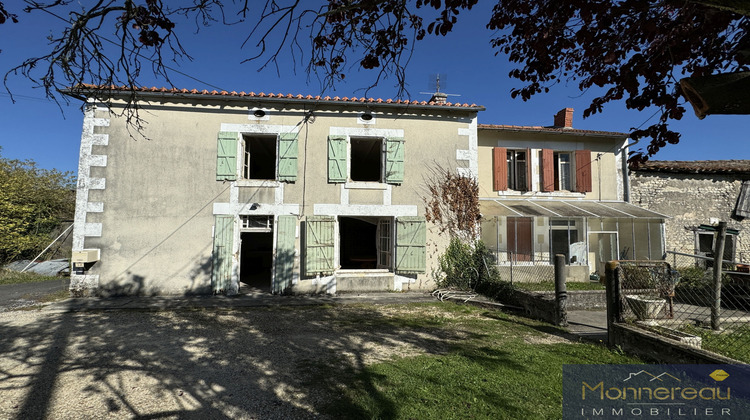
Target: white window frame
column 512, row 174
column 247, row 226
column 559, row 170
column 350, row 159
column 381, row 184
column 245, row 171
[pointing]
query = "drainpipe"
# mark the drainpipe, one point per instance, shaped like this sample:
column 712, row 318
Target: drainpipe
column 626, row 171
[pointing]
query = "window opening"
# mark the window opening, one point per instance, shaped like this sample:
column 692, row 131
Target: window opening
column 517, row 170
column 260, row 158
column 358, row 243
column 706, row 242
column 366, row 160
column 563, row 180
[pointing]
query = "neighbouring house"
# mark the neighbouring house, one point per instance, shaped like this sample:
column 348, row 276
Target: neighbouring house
column 547, row 190
column 276, row 192
column 697, row 195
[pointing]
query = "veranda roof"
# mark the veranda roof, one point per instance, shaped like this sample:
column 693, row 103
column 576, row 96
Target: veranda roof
column 564, row 208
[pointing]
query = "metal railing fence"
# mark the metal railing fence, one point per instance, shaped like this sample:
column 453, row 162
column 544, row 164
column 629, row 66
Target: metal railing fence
column 685, row 299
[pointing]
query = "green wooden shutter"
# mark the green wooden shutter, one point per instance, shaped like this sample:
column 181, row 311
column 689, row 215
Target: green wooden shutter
column 337, row 159
column 411, row 245
column 288, row 157
column 285, row 245
column 394, row 160
column 221, row 275
column 319, row 244
column 226, row 156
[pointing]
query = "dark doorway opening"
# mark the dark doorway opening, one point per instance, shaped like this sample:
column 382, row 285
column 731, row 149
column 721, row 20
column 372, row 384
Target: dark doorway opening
column 256, row 259
column 358, row 243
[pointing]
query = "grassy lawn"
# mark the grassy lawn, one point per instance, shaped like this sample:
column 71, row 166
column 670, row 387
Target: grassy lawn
column 734, row 343
column 550, row 286
column 14, row 277
column 499, row 366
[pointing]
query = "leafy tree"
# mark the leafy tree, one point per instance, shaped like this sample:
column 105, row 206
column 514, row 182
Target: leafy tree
column 631, row 50
column 33, row 203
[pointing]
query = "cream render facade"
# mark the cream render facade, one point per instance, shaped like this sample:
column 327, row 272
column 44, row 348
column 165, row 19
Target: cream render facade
column 547, row 190
column 279, row 193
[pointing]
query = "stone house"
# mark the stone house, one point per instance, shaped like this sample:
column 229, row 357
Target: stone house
column 696, row 193
column 547, row 190
column 276, row 192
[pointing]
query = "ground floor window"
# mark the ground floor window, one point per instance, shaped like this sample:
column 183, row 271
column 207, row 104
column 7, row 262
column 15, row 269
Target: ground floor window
column 365, row 243
column 706, row 241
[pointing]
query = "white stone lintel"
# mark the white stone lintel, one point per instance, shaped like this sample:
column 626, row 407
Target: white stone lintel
column 364, row 210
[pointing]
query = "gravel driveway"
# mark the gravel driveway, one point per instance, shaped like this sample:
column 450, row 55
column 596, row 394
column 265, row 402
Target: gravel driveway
column 248, row 363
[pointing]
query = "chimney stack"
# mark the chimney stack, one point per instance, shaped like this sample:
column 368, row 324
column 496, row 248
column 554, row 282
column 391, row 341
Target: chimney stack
column 564, row 118
column 439, row 98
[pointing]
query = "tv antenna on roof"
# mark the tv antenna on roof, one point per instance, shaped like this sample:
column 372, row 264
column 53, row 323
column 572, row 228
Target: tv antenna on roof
column 437, row 81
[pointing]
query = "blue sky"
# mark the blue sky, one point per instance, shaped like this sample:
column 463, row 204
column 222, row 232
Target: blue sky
column 35, row 128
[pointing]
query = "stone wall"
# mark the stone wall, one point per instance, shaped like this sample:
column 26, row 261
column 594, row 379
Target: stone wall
column 691, row 200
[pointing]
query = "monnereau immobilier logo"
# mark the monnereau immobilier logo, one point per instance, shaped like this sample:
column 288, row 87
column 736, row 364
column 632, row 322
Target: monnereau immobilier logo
column 656, row 391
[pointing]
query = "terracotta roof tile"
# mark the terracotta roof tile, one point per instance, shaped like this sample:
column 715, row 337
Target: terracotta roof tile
column 555, row 130
column 85, row 87
column 696, row 166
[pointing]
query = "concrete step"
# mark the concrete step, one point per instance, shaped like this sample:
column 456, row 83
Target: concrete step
column 364, row 280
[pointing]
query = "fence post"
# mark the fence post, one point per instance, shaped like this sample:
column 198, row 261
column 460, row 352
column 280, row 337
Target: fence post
column 561, row 293
column 718, row 262
column 614, row 311
column 510, row 254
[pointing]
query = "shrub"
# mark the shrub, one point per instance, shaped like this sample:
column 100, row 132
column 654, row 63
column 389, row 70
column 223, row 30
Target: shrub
column 466, row 266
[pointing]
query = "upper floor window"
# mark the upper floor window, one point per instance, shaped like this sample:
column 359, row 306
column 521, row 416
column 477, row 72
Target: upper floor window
column 365, row 159
column 259, row 157
column 517, row 168
column 511, row 169
column 562, row 171
column 256, row 157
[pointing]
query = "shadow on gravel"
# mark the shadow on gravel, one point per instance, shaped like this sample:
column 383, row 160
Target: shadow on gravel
column 280, row 363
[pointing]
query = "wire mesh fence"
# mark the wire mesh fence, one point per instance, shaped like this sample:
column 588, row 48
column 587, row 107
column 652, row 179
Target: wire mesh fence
column 681, row 298
column 524, row 268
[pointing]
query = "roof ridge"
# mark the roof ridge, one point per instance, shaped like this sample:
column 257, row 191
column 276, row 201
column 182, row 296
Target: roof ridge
column 123, row 88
